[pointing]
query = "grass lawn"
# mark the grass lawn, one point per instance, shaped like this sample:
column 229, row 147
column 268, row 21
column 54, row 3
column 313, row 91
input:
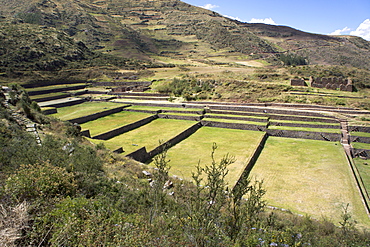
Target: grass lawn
column 41, row 96
column 309, row 177
column 84, row 109
column 363, row 167
column 198, row 147
column 113, row 121
column 148, row 135
column 360, row 145
column 229, row 115
column 66, row 86
column 156, row 108
column 323, row 130
column 364, row 134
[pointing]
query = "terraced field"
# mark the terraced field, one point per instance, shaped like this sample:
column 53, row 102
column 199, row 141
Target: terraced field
column 308, row 177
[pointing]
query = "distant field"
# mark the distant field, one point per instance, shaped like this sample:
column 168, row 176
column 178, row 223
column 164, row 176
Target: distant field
column 308, row 177
column 240, row 143
column 148, row 135
column 80, row 110
column 113, row 121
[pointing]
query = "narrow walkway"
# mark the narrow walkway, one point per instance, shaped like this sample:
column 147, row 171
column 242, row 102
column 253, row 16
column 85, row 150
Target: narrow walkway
column 345, row 137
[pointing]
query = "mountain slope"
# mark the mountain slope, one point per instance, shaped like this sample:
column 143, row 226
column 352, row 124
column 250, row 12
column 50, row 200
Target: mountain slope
column 172, row 29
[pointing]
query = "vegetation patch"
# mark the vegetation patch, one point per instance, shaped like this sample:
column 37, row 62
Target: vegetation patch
column 113, row 121
column 148, row 135
column 84, row 109
column 308, row 177
column 238, row 143
column 323, row 130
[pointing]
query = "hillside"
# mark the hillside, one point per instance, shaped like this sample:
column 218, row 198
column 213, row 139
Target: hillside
column 165, row 29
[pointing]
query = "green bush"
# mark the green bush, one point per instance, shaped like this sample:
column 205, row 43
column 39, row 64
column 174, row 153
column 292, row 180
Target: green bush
column 40, row 181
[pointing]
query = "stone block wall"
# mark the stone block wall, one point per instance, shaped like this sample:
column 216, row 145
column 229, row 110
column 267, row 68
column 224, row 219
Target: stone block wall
column 233, row 125
column 68, row 103
column 252, row 161
column 97, row 115
column 177, row 139
column 333, row 83
column 110, row 134
column 50, row 111
column 359, row 129
column 181, row 117
column 239, row 118
column 360, row 139
column 298, row 82
column 140, row 155
column 333, row 137
column 305, row 125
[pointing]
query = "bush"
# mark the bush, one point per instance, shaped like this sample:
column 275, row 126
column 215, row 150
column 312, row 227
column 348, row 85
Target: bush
column 40, row 181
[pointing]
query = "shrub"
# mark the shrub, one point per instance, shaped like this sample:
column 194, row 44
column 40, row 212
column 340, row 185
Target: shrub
column 40, row 181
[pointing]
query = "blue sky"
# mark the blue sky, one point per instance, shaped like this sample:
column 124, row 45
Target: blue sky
column 315, row 16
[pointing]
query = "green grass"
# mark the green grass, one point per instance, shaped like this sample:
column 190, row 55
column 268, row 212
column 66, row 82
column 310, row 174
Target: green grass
column 80, row 110
column 360, row 145
column 308, row 177
column 304, row 122
column 239, row 143
column 234, row 121
column 230, row 115
column 180, row 114
column 148, row 135
column 306, row 129
column 364, row 134
column 363, row 166
column 156, row 108
column 66, row 86
column 113, row 121
column 40, row 96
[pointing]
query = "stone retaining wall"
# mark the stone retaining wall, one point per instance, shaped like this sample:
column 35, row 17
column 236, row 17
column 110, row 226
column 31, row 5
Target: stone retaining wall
column 142, row 155
column 50, row 111
column 113, row 133
column 55, row 90
column 359, row 129
column 233, row 125
column 97, row 115
column 251, row 161
column 144, row 111
column 363, row 153
column 239, row 118
column 360, row 139
column 177, row 139
column 305, row 125
column 333, row 137
column 180, row 117
column 267, row 110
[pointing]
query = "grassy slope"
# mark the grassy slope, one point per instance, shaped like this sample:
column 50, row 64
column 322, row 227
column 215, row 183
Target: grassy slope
column 308, row 177
column 239, row 143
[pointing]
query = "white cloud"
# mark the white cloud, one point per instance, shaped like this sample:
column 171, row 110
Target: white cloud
column 234, row 18
column 363, row 30
column 340, row 31
column 209, row 6
column 265, row 21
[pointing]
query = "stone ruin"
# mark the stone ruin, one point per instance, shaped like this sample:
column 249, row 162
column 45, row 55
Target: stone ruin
column 333, row 83
column 298, row 82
